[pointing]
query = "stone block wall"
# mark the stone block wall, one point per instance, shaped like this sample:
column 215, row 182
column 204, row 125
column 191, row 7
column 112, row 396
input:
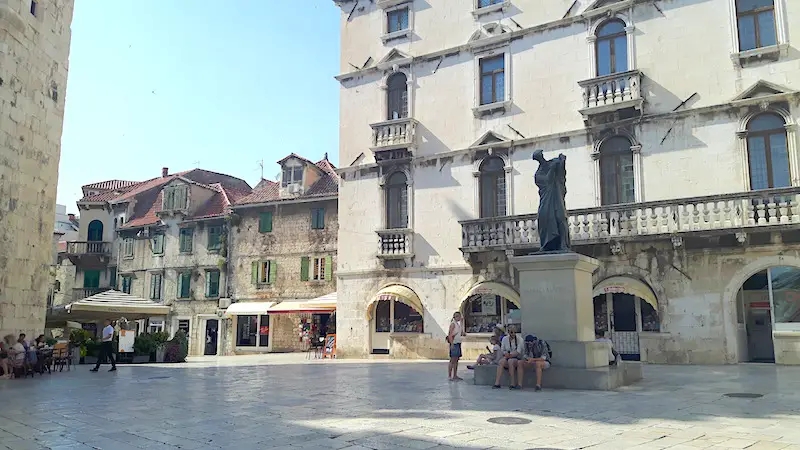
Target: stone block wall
column 284, row 333
column 34, row 50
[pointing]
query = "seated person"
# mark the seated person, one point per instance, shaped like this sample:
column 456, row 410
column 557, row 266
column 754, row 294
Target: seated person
column 40, row 342
column 537, row 356
column 489, row 358
column 613, row 355
column 5, row 361
column 511, row 349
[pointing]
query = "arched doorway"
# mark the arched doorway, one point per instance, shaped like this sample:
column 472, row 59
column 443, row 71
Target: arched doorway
column 95, row 233
column 623, row 308
column 491, row 304
column 394, row 309
column 767, row 301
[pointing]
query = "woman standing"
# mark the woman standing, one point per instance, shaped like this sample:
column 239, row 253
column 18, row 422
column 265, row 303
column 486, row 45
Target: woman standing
column 454, row 339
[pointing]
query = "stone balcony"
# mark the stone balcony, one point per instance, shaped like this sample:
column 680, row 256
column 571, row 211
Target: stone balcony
column 394, row 134
column 396, row 243
column 611, row 93
column 89, row 254
column 738, row 214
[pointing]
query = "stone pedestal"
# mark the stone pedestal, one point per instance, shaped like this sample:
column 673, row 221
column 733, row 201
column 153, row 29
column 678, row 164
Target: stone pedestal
column 556, row 297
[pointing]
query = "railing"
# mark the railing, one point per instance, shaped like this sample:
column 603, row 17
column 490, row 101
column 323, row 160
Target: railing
column 397, row 243
column 397, row 132
column 611, row 90
column 732, row 212
column 81, row 293
column 83, row 248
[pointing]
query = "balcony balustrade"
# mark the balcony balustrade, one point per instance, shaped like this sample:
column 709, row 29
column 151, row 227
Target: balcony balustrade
column 397, row 133
column 396, row 243
column 611, row 92
column 88, row 248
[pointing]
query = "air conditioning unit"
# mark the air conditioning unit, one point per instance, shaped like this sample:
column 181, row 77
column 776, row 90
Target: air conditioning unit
column 294, row 188
column 224, row 303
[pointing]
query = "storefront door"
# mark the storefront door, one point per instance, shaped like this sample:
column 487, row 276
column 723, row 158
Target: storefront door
column 212, row 333
column 759, row 333
column 381, row 326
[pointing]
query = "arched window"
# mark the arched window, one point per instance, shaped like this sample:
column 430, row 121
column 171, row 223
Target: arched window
column 756, row 23
column 767, row 153
column 616, row 172
column 493, row 187
column 95, row 231
column 483, row 312
column 397, row 96
column 397, row 201
column 611, row 48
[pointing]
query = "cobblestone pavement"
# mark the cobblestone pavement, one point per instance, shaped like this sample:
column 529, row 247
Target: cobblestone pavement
column 287, row 402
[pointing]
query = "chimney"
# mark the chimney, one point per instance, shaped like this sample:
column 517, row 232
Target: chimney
column 164, row 171
column 326, row 156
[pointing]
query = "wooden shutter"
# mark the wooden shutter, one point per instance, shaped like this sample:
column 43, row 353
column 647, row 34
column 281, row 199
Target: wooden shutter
column 254, row 273
column 273, row 271
column 265, row 222
column 321, row 218
column 208, row 283
column 304, row 268
column 328, row 268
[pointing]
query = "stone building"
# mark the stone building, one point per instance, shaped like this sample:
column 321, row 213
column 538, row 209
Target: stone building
column 677, row 119
column 163, row 239
column 282, row 258
column 34, row 50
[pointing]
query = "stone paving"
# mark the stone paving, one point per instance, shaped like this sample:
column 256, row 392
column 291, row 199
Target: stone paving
column 281, row 401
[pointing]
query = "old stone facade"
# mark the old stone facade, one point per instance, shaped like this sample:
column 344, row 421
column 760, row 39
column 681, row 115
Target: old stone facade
column 283, row 251
column 34, row 50
column 683, row 182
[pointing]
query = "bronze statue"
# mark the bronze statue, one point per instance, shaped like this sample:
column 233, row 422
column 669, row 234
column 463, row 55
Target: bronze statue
column 551, row 179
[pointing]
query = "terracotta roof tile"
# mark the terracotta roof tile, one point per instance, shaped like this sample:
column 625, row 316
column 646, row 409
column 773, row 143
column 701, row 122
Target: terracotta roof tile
column 268, row 191
column 110, row 184
column 145, row 211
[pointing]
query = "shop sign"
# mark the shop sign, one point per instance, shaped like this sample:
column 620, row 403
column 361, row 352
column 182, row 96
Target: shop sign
column 264, row 330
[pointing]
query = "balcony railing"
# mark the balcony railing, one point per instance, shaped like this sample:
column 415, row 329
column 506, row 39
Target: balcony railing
column 611, row 92
column 81, row 293
column 88, row 248
column 395, row 133
column 396, row 243
column 732, row 212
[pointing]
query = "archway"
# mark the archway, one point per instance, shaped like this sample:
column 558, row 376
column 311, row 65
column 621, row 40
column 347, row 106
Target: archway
column 491, row 304
column 623, row 308
column 394, row 309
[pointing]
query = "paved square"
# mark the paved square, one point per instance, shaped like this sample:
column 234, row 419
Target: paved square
column 283, row 401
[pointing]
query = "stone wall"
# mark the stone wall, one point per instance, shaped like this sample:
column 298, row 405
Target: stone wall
column 284, row 333
column 34, row 50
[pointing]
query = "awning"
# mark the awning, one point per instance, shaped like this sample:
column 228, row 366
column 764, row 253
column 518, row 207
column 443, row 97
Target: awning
column 324, row 304
column 109, row 305
column 494, row 288
column 626, row 285
column 248, row 308
column 398, row 293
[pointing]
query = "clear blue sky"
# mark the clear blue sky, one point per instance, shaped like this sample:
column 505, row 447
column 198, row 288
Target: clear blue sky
column 214, row 84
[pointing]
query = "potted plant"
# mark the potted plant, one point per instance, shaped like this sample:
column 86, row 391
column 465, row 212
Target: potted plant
column 143, row 346
column 90, row 351
column 160, row 339
column 177, row 348
column 77, row 341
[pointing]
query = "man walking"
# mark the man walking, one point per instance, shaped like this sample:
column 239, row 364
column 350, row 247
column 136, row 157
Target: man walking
column 106, row 348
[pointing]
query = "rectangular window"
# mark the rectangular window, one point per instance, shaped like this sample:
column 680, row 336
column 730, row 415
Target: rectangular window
column 128, row 248
column 184, row 325
column 493, row 83
column 125, row 283
column 756, row 22
column 265, row 222
column 155, row 286
column 485, row 3
column 176, row 198
column 212, row 284
column 292, row 175
column 158, row 244
column 406, row 319
column 214, row 238
column 186, row 238
column 184, row 285
column 397, row 20
column 264, row 272
column 33, row 7
column 156, row 325
column 246, row 331
column 319, row 269
column 318, row 218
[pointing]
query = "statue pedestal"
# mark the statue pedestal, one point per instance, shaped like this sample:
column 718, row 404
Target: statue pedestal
column 556, row 297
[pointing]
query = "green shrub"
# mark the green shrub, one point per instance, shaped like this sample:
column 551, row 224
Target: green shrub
column 79, row 337
column 144, row 344
column 177, row 348
column 160, row 338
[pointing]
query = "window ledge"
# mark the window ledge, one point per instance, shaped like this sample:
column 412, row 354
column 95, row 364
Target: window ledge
column 771, row 53
column 264, row 285
column 396, row 35
column 185, row 253
column 502, row 6
column 385, row 4
column 491, row 108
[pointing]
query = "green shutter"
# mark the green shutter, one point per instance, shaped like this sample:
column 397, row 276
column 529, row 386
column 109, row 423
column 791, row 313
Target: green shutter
column 273, row 272
column 321, row 218
column 265, row 222
column 254, row 273
column 304, row 268
column 328, row 268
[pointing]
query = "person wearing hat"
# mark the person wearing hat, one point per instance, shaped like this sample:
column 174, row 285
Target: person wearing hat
column 537, row 355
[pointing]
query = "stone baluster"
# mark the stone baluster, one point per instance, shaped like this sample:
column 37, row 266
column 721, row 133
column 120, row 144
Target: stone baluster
column 795, row 206
column 617, row 90
column 784, row 210
column 773, row 211
column 716, row 215
column 586, row 226
column 761, row 212
column 727, row 220
column 706, row 223
column 695, row 216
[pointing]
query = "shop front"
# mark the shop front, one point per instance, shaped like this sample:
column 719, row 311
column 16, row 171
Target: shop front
column 303, row 324
column 252, row 324
column 395, row 310
column 486, row 306
column 625, row 309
